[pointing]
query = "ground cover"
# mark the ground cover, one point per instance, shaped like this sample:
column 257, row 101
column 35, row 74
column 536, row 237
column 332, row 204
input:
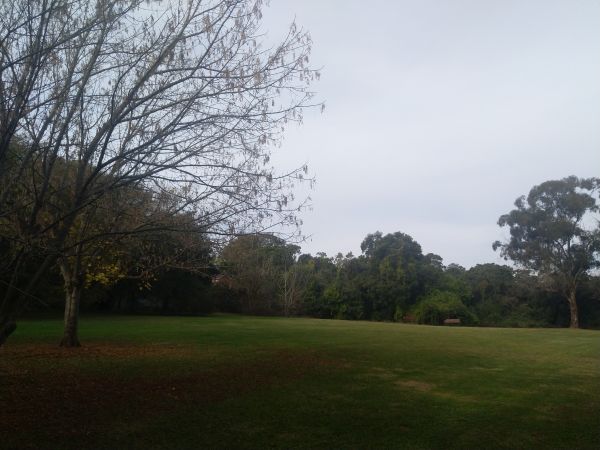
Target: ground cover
column 247, row 382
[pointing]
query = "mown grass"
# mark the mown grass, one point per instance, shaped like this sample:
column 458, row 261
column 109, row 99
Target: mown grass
column 247, row 382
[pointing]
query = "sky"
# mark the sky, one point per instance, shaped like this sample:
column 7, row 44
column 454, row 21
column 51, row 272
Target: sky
column 439, row 114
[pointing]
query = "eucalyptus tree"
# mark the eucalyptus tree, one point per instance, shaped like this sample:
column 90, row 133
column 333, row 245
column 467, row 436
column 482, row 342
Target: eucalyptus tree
column 177, row 96
column 554, row 232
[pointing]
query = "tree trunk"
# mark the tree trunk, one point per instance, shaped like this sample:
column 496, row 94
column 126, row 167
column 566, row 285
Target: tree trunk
column 70, row 335
column 73, row 286
column 572, row 298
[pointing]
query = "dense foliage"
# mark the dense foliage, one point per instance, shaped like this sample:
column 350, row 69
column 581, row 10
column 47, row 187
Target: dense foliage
column 391, row 281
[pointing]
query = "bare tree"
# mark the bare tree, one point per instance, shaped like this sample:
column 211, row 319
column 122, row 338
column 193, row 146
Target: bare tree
column 166, row 96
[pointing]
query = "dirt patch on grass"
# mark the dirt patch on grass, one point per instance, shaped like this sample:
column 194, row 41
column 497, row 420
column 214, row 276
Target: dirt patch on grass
column 416, row 385
column 64, row 402
column 433, row 389
column 382, row 373
column 487, row 369
column 457, row 397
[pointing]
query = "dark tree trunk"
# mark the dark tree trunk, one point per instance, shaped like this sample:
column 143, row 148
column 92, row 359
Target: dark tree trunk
column 572, row 298
column 70, row 335
column 73, row 286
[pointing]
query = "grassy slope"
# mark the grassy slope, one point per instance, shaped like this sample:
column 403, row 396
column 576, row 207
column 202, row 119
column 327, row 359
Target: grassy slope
column 228, row 381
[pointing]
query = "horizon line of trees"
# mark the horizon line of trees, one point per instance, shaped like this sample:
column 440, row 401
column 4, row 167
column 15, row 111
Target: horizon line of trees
column 392, row 280
column 554, row 240
column 174, row 269
column 135, row 144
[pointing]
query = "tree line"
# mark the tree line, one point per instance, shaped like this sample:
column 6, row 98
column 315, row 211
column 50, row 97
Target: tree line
column 392, row 279
column 135, row 175
column 554, row 242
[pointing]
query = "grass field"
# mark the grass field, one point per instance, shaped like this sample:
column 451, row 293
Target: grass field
column 246, row 382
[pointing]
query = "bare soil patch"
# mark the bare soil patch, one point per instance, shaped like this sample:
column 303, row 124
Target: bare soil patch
column 420, row 386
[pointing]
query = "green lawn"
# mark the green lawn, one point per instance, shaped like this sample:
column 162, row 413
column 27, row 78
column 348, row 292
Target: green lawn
column 247, row 382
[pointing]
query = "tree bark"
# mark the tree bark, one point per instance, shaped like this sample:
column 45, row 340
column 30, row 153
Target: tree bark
column 572, row 298
column 70, row 335
column 73, row 286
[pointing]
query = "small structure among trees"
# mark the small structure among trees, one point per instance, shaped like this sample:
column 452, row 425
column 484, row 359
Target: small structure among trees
column 451, row 321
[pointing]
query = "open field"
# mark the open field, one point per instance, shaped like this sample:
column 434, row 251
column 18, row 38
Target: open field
column 246, row 382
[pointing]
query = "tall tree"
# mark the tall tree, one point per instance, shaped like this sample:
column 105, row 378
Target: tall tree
column 395, row 262
column 162, row 96
column 554, row 232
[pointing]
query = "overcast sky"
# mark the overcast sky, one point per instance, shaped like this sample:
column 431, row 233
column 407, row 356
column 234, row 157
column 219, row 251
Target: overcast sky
column 439, row 114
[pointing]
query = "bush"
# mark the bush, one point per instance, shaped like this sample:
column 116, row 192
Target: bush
column 434, row 308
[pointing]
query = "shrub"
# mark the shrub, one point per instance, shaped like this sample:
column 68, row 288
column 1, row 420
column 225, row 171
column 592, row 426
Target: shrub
column 434, row 308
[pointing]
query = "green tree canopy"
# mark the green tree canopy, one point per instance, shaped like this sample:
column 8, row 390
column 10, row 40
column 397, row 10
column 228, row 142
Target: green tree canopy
column 554, row 232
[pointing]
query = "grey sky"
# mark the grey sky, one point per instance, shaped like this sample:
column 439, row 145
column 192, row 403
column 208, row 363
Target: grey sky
column 440, row 113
